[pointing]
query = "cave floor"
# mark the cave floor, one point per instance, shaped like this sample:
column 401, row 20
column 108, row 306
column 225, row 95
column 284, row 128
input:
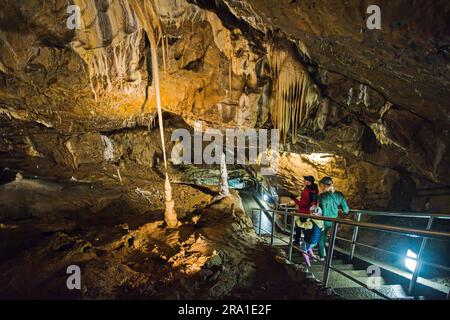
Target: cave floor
column 56, row 217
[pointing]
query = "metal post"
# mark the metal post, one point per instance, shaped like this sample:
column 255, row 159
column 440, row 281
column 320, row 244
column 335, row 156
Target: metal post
column 253, row 218
column 273, row 228
column 291, row 239
column 354, row 237
column 260, row 216
column 285, row 219
column 330, row 252
column 416, row 272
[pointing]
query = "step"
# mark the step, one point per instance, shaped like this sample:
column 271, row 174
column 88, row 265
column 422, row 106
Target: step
column 339, row 264
column 298, row 258
column 357, row 273
column 352, row 273
column 342, row 282
column 426, row 286
column 343, row 267
column 337, row 280
column 334, row 263
column 395, row 291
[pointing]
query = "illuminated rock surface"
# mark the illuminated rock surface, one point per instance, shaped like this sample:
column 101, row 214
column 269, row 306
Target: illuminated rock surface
column 369, row 108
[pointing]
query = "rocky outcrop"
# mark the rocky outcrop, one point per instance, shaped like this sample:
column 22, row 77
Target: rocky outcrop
column 77, row 128
column 385, row 91
column 364, row 185
column 123, row 252
column 377, row 96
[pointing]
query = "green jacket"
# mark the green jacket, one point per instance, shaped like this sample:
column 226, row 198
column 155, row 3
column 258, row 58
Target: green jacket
column 330, row 202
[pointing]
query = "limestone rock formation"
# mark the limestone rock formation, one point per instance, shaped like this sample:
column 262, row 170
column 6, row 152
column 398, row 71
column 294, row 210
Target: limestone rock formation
column 80, row 128
column 381, row 94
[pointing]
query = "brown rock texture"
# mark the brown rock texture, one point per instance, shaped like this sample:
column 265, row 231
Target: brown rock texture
column 383, row 93
column 78, row 119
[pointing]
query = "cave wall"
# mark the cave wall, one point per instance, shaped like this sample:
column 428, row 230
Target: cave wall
column 96, row 78
column 363, row 184
column 387, row 87
column 379, row 99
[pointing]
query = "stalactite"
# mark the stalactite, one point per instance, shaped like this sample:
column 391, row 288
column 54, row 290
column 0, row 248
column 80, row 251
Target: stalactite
column 230, row 71
column 164, row 55
column 230, row 68
column 167, row 51
column 293, row 93
column 113, row 66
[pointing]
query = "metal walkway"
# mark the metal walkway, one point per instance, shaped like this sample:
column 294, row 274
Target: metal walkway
column 355, row 276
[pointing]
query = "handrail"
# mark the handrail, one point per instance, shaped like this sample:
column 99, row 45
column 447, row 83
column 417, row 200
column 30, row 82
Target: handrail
column 392, row 253
column 391, row 213
column 402, row 214
column 368, row 225
column 424, row 234
column 388, row 213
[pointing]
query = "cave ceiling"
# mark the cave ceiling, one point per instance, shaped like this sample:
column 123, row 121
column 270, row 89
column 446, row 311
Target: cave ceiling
column 377, row 95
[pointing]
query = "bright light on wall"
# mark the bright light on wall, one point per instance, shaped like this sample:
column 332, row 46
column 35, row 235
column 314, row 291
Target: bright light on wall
column 319, row 157
column 411, row 260
column 265, row 197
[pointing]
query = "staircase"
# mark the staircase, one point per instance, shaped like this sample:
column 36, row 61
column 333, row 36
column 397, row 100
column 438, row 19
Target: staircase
column 349, row 289
column 351, row 280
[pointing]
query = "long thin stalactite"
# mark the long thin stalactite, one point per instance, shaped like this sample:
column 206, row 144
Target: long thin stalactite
column 146, row 13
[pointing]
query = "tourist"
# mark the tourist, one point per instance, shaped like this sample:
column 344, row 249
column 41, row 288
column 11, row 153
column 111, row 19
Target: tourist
column 312, row 230
column 332, row 203
column 307, row 199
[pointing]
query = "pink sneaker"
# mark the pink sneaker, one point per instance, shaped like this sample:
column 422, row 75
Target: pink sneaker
column 306, row 257
column 312, row 255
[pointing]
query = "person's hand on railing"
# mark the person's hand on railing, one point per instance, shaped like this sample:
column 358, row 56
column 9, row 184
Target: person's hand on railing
column 342, row 214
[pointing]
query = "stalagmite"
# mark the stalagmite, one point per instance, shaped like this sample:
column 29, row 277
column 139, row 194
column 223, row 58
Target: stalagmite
column 154, row 32
column 119, row 175
column 224, row 189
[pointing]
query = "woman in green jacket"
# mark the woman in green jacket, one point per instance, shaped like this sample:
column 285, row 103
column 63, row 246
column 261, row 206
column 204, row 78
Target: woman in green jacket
column 332, row 203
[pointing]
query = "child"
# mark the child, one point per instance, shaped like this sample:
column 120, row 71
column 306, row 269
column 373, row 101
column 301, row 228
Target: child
column 312, row 231
column 307, row 199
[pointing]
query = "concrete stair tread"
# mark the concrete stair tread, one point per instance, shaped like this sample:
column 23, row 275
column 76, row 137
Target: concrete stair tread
column 335, row 262
column 347, row 288
column 343, row 267
column 337, row 280
column 356, row 273
column 343, row 282
column 297, row 258
column 395, row 291
column 352, row 273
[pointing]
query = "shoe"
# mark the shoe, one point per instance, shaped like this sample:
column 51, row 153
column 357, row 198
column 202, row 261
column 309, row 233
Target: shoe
column 310, row 275
column 312, row 255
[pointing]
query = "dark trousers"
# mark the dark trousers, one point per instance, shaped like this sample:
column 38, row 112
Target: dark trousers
column 297, row 235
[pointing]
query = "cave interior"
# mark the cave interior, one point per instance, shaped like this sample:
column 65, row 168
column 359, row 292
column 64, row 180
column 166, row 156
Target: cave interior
column 114, row 149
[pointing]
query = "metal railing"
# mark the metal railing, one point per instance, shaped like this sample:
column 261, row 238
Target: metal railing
column 357, row 224
column 431, row 218
column 262, row 190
